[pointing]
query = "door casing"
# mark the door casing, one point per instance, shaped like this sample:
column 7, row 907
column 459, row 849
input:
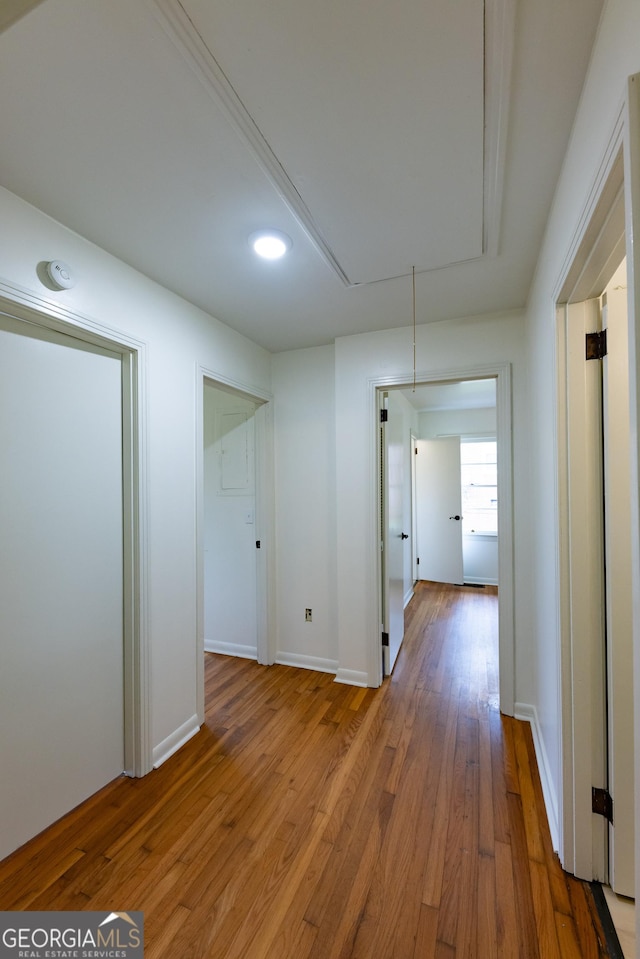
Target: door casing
column 34, row 309
column 502, row 374
column 605, row 234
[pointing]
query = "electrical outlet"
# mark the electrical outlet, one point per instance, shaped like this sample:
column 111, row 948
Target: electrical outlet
column 307, row 615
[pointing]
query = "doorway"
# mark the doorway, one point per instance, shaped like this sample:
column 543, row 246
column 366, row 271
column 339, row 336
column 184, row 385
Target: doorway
column 62, row 595
column 230, row 568
column 235, row 496
column 500, row 375
column 456, row 482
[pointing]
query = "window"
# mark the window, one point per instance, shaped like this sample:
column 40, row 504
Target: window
column 479, row 479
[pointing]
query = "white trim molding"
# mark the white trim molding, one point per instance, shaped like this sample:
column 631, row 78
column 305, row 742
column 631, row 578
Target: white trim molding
column 477, row 581
column 408, row 596
column 173, row 742
column 352, row 677
column 302, row 661
column 529, row 714
column 231, row 649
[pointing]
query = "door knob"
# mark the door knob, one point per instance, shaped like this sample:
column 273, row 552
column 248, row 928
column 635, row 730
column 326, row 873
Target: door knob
column 404, row 536
column 455, row 517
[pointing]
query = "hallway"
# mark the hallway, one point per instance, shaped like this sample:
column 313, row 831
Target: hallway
column 310, row 820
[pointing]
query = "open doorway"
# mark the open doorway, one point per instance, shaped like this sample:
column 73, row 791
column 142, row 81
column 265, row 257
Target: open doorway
column 456, row 486
column 73, row 550
column 230, row 540
column 235, row 524
column 395, row 401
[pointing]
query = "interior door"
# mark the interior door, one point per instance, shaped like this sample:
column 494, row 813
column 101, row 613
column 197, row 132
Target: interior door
column 439, row 510
column 394, row 533
column 61, row 594
column 617, row 486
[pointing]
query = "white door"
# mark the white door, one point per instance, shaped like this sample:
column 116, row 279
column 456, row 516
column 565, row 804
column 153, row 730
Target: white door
column 439, row 510
column 61, row 594
column 617, row 487
column 394, row 532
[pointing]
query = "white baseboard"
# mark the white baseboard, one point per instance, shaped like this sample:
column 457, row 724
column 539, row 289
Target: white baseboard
column 352, row 677
column 307, row 662
column 529, row 714
column 476, row 581
column 230, row 649
column 172, row 743
column 408, row 596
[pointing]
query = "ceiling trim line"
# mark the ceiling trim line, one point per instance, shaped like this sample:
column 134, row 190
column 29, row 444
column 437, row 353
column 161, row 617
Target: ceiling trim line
column 499, row 27
column 182, row 32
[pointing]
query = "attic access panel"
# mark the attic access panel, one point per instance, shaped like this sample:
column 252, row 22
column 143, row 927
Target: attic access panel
column 376, row 113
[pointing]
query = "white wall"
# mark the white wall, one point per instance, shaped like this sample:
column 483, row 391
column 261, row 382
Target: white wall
column 616, row 55
column 480, row 559
column 304, row 421
column 178, row 338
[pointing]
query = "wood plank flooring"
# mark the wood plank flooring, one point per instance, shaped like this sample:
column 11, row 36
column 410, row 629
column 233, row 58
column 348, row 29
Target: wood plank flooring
column 312, row 820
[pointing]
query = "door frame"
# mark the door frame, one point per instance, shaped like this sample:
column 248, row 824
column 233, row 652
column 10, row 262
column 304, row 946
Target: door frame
column 264, row 520
column 605, row 234
column 40, row 311
column 392, row 603
column 413, row 439
column 501, row 372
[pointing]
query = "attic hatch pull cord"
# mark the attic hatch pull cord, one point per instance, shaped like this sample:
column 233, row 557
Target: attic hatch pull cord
column 413, row 283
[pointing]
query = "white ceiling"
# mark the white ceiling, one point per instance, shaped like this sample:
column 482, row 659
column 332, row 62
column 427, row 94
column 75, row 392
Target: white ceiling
column 380, row 136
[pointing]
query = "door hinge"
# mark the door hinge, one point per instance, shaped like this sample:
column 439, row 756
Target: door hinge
column 596, row 345
column 257, row 544
column 385, row 638
column 602, row 803
column 384, row 416
column 417, row 560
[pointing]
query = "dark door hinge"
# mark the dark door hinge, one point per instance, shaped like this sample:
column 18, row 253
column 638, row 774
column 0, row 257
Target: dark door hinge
column 596, row 345
column 384, row 416
column 257, row 544
column 385, row 639
column 602, row 803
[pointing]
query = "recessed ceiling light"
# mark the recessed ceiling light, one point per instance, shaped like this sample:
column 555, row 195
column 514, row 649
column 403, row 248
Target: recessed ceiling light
column 270, row 244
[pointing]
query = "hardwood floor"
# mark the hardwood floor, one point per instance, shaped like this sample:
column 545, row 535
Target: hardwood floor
column 312, row 820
